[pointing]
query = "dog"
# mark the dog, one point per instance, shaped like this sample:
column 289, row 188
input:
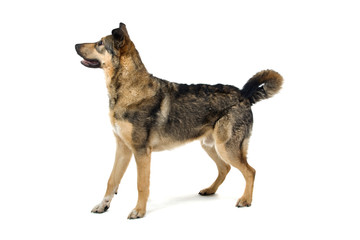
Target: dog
column 151, row 114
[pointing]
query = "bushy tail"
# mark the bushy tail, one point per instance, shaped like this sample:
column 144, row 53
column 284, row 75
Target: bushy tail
column 262, row 85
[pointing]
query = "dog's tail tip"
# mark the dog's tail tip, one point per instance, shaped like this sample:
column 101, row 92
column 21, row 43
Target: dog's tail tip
column 262, row 85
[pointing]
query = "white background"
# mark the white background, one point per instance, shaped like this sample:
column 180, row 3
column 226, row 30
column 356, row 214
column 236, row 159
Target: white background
column 57, row 147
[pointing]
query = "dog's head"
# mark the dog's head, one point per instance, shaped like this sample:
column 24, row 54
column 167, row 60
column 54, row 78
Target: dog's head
column 107, row 51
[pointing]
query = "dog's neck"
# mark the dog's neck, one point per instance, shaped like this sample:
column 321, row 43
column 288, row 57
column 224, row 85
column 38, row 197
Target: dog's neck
column 124, row 68
column 126, row 83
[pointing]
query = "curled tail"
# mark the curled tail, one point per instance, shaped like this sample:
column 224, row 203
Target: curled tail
column 262, row 85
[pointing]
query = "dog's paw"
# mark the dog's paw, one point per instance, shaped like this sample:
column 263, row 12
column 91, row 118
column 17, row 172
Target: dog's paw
column 242, row 202
column 207, row 192
column 134, row 214
column 101, row 207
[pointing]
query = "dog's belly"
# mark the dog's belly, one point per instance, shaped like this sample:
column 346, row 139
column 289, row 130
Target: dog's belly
column 158, row 143
column 159, row 146
column 159, row 140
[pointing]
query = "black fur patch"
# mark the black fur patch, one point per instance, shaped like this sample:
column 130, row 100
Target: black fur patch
column 119, row 37
column 109, row 47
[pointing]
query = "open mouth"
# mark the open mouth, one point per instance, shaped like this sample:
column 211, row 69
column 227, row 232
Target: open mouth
column 91, row 63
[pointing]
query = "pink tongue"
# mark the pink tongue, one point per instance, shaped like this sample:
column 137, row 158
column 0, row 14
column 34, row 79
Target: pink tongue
column 88, row 62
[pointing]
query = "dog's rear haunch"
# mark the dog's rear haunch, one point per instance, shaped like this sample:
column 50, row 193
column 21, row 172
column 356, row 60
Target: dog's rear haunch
column 150, row 114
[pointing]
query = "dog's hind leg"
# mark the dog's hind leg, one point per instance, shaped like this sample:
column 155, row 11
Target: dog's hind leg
column 208, row 145
column 122, row 159
column 231, row 143
column 142, row 158
column 238, row 159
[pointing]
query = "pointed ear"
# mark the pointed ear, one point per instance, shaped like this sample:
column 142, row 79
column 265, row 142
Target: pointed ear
column 119, row 37
column 122, row 26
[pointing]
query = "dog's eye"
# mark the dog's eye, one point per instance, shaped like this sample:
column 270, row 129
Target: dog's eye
column 100, row 43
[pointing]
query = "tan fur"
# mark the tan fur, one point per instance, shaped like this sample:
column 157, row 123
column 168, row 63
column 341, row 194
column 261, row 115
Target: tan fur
column 123, row 130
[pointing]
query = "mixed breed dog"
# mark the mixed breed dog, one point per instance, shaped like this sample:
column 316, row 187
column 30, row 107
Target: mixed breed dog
column 151, row 114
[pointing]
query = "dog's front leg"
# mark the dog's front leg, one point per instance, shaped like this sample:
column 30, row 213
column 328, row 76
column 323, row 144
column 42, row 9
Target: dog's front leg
column 143, row 159
column 122, row 159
